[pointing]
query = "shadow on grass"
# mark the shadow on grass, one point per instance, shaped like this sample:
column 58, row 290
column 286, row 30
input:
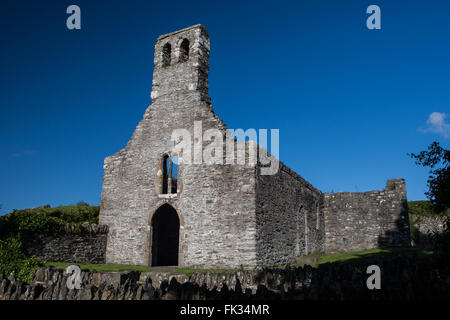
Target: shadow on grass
column 361, row 256
column 98, row 267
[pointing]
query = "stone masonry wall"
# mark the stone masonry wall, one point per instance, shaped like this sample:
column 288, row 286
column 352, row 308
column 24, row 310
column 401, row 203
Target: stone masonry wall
column 289, row 218
column 359, row 221
column 82, row 244
column 229, row 214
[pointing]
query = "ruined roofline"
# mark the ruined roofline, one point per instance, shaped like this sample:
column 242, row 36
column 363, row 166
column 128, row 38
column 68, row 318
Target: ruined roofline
column 282, row 166
column 389, row 187
column 297, row 176
column 343, row 193
column 200, row 26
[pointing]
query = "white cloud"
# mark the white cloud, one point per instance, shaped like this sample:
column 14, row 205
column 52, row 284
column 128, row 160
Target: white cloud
column 436, row 123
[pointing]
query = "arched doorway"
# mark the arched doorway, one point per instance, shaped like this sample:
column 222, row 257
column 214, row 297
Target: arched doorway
column 165, row 236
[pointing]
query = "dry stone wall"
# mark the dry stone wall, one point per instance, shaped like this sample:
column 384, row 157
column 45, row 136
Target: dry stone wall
column 83, row 244
column 402, row 277
column 427, row 228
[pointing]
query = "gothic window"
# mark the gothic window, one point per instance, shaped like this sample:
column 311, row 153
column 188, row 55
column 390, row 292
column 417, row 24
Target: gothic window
column 166, row 165
column 184, row 51
column 166, row 53
column 169, row 174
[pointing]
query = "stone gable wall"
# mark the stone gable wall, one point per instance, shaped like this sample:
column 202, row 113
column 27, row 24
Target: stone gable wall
column 215, row 203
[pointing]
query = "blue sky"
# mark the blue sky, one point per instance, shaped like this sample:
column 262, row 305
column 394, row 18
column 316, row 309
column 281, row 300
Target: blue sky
column 350, row 102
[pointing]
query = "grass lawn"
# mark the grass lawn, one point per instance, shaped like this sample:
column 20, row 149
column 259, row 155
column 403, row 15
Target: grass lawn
column 321, row 258
column 98, row 267
column 358, row 255
column 118, row 267
column 191, row 271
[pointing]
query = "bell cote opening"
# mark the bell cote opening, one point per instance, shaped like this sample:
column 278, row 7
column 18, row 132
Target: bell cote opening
column 184, row 51
column 166, row 55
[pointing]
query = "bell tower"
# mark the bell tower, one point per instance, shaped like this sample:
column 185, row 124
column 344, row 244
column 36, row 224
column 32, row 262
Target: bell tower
column 181, row 64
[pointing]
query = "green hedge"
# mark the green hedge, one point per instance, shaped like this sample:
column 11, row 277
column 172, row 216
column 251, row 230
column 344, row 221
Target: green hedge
column 13, row 262
column 424, row 208
column 45, row 220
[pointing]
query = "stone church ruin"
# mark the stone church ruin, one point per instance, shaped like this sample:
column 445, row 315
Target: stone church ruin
column 162, row 212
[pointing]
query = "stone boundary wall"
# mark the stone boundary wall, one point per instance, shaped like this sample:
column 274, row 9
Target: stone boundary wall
column 402, row 277
column 428, row 226
column 83, row 244
column 365, row 220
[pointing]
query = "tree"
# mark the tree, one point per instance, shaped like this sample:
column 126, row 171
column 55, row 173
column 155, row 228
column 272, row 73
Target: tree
column 437, row 159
